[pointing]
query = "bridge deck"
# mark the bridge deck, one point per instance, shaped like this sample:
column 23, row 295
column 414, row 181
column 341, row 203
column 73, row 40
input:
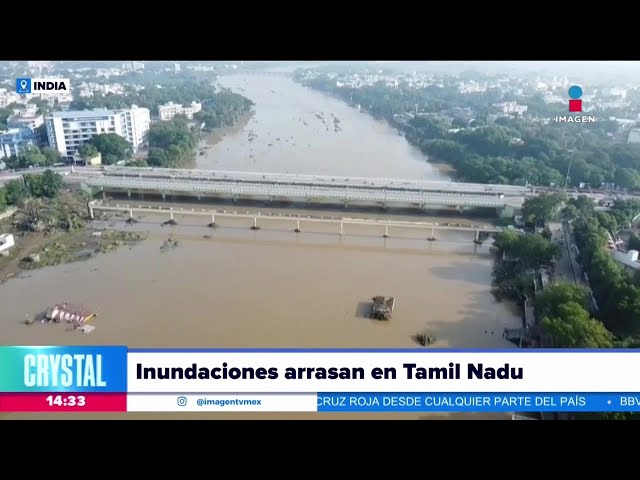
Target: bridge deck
column 336, row 180
column 149, row 210
column 292, row 191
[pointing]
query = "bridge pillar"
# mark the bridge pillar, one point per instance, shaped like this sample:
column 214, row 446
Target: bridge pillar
column 476, row 240
column 341, row 228
column 505, row 212
column 128, row 193
column 104, row 194
column 433, row 234
column 213, row 221
column 164, row 196
column 386, row 231
column 130, row 213
column 90, row 208
column 171, row 215
column 255, row 224
column 297, row 229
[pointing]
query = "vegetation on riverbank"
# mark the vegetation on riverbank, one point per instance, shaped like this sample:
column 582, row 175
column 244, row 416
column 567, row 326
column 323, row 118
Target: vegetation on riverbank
column 50, row 226
column 505, row 150
column 564, row 310
column 172, row 143
column 21, row 193
column 220, row 107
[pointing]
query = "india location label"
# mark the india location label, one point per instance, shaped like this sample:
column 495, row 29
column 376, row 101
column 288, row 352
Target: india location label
column 479, row 402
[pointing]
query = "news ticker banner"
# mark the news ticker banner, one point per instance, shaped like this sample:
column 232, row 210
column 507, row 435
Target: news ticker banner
column 118, row 379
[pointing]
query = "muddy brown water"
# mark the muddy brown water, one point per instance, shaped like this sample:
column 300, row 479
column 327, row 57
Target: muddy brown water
column 293, row 130
column 268, row 288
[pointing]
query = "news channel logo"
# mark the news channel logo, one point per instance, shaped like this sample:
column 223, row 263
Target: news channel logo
column 25, row 85
column 575, row 106
column 575, row 95
column 181, row 401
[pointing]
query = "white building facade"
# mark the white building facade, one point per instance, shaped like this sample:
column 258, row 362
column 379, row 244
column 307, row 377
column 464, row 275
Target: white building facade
column 170, row 110
column 67, row 131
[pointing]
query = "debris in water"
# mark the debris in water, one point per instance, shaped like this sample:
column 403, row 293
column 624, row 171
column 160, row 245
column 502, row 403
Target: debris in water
column 170, row 243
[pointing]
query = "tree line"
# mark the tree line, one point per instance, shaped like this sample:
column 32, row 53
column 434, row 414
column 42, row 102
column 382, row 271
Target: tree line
column 503, row 150
column 42, row 185
column 220, row 108
column 566, row 311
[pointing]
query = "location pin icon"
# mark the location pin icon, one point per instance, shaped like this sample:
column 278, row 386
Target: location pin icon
column 23, row 84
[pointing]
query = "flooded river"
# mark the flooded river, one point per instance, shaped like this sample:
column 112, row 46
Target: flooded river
column 298, row 130
column 234, row 287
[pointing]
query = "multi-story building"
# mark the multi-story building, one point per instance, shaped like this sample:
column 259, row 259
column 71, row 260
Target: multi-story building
column 170, row 110
column 15, row 140
column 25, row 119
column 67, row 131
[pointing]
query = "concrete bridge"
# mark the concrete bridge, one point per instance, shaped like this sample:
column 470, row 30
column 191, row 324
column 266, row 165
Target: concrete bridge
column 347, row 191
column 297, row 222
column 360, row 191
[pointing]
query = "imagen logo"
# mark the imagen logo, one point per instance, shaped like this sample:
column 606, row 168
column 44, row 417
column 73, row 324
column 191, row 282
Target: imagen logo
column 575, row 94
column 575, row 106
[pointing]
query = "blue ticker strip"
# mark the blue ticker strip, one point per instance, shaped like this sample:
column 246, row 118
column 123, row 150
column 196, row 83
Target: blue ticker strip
column 478, row 402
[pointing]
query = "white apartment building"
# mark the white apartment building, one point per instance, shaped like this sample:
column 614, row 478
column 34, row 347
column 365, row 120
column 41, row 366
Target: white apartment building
column 170, row 110
column 67, row 131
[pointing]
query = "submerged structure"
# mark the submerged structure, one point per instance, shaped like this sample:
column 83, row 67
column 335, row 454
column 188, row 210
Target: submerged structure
column 382, row 307
column 77, row 316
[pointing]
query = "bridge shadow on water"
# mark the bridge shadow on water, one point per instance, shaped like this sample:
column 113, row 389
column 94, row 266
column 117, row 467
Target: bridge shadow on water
column 190, row 201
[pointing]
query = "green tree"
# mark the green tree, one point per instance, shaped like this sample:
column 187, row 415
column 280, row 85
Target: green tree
column 45, row 185
column 52, row 156
column 112, row 147
column 4, row 200
column 171, row 144
column 31, row 156
column 542, row 208
column 16, row 192
column 88, row 151
column 548, row 302
column 530, row 251
column 574, row 328
column 627, row 178
column 585, row 205
column 570, row 212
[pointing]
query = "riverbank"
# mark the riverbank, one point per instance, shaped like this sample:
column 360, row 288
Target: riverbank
column 212, row 138
column 54, row 246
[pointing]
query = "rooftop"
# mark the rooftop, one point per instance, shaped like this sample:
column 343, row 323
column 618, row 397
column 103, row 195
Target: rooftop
column 82, row 113
column 630, row 259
